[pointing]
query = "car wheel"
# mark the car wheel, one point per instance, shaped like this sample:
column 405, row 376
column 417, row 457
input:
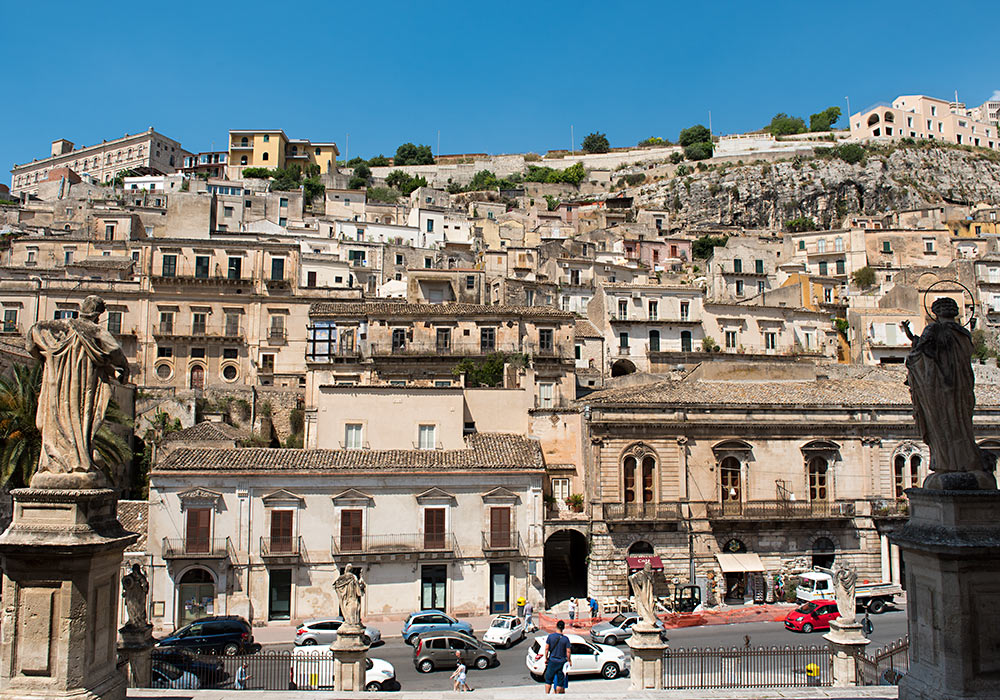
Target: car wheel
column 373, row 687
column 366, row 640
column 538, row 679
column 408, row 640
column 610, row 671
column 807, row 628
column 425, row 666
column 309, row 643
column 876, row 607
column 231, row 649
column 482, row 663
column 611, row 640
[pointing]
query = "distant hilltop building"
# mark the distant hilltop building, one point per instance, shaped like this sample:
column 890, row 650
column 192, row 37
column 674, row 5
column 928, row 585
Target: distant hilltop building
column 922, row 117
column 147, row 153
column 271, row 148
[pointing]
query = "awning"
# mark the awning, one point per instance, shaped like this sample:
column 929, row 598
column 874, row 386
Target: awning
column 739, row 563
column 639, row 561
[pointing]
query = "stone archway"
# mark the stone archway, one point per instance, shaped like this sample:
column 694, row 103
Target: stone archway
column 564, row 569
column 824, row 552
column 195, row 595
column 622, row 367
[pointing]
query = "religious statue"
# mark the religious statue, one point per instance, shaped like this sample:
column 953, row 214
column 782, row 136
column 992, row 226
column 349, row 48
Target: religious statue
column 844, row 581
column 941, row 381
column 642, row 586
column 349, row 589
column 79, row 360
column 135, row 587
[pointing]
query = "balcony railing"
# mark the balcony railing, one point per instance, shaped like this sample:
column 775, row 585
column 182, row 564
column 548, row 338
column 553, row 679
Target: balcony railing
column 502, row 542
column 276, row 336
column 536, row 349
column 219, row 279
column 187, row 548
column 281, row 547
column 433, row 348
column 409, row 544
column 779, row 510
column 331, row 352
column 641, row 512
column 891, row 508
column 225, row 331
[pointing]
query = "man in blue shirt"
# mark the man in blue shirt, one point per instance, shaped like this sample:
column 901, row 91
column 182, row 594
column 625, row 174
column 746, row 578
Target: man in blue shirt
column 557, row 654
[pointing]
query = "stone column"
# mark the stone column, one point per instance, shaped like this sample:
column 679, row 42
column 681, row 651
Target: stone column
column 61, row 559
column 951, row 546
column 846, row 640
column 647, row 657
column 884, row 558
column 135, row 648
column 349, row 654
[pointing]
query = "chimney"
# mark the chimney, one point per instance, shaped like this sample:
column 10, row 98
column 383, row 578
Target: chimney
column 61, row 146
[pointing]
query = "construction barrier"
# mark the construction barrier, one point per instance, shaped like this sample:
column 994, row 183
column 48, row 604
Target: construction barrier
column 713, row 616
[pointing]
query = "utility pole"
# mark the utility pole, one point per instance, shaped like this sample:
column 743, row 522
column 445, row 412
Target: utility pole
column 710, row 125
column 347, row 157
column 572, row 141
column 439, row 143
column 848, row 112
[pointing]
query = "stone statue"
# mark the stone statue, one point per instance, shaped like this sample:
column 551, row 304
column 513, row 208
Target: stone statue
column 350, row 588
column 939, row 374
column 844, row 580
column 135, row 587
column 79, row 360
column 642, row 586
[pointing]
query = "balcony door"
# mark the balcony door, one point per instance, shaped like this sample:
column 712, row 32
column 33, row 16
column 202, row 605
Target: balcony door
column 350, row 530
column 199, row 531
column 500, row 527
column 281, row 531
column 434, row 532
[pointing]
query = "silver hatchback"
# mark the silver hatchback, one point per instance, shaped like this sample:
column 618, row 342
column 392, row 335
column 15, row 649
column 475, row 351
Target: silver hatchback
column 323, row 630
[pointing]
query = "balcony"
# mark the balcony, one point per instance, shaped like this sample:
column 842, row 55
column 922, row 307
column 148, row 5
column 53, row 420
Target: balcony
column 409, row 545
column 200, row 280
column 277, row 283
column 281, row 549
column 185, row 548
column 196, row 331
column 641, row 512
column 502, row 543
column 277, row 336
column 883, row 509
column 435, row 349
column 241, row 146
column 558, row 350
column 780, row 510
column 331, row 354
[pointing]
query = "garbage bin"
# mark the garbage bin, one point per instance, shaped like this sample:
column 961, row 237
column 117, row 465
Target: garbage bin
column 812, row 674
column 520, row 606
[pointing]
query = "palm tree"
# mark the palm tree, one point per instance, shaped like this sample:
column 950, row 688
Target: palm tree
column 21, row 441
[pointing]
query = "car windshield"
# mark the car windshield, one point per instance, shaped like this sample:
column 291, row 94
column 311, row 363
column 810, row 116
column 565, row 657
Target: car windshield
column 807, row 608
column 806, row 584
column 618, row 620
column 501, row 623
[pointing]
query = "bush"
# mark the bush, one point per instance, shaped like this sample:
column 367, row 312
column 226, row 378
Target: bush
column 822, row 121
column 596, row 142
column 483, row 180
column 850, row 152
column 703, row 247
column 784, row 125
column 411, row 154
column 653, row 141
column 383, row 194
column 676, row 157
column 800, row 224
column 698, row 151
column 379, row 160
column 573, row 175
column 708, row 344
column 635, row 179
column 257, row 173
column 694, row 134
column 864, row 277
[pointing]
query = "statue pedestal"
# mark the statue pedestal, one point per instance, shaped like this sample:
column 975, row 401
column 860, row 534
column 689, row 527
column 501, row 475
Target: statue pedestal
column 349, row 654
column 135, row 648
column 61, row 559
column 647, row 657
column 951, row 547
column 846, row 640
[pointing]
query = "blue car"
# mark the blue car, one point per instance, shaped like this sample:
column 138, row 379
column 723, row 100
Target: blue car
column 432, row 621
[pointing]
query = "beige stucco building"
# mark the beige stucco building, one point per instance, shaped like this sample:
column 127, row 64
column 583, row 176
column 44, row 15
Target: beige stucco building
column 923, row 117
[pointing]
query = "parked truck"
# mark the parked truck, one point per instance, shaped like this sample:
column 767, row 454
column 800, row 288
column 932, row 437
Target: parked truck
column 818, row 585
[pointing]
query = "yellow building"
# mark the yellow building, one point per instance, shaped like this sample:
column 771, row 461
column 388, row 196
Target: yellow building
column 271, row 148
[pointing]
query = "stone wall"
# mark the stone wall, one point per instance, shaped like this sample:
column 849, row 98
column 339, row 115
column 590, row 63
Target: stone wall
column 283, row 402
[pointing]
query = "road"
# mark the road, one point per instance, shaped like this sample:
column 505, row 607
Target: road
column 889, row 627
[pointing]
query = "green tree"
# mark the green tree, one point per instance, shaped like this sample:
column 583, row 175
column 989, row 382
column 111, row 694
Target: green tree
column 257, row 173
column 864, row 277
column 596, row 142
column 396, row 179
column 483, row 180
column 980, row 345
column 379, row 160
column 703, row 247
column 698, row 151
column 487, row 372
column 850, row 152
column 412, row 184
column 784, row 125
column 382, row 194
column 355, row 162
column 411, row 154
column 822, row 121
column 361, row 177
column 694, row 134
column 653, row 141
column 800, row 224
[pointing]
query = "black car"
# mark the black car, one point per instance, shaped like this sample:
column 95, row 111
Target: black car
column 221, row 634
column 210, row 672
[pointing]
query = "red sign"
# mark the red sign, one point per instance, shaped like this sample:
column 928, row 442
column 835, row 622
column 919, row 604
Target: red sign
column 639, row 561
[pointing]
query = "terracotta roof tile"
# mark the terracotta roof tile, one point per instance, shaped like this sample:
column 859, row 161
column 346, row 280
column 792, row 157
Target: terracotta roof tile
column 586, row 329
column 134, row 517
column 207, row 431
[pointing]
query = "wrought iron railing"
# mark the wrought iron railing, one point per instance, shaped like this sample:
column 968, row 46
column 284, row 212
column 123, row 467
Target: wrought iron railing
column 886, row 666
column 502, row 541
column 641, row 511
column 408, row 543
column 781, row 510
column 280, row 546
column 747, row 667
column 195, row 548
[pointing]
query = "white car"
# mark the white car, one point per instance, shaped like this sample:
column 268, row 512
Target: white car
column 165, row 675
column 586, row 658
column 312, row 668
column 505, row 631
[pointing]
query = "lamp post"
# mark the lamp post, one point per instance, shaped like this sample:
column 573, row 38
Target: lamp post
column 848, row 112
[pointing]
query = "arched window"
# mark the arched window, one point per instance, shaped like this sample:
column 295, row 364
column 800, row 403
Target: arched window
column 640, row 547
column 823, row 552
column 244, row 141
column 243, row 160
column 628, row 479
column 898, row 473
column 890, row 117
column 873, row 119
column 197, row 377
column 729, row 479
column 817, row 479
column 264, row 156
column 639, row 475
column 915, row 471
column 648, row 469
column 734, row 546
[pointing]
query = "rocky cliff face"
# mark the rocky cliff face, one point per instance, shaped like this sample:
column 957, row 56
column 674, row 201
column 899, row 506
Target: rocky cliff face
column 765, row 195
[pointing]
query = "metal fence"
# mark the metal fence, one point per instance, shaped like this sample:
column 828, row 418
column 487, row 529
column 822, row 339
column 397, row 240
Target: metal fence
column 266, row 670
column 747, row 667
column 886, row 666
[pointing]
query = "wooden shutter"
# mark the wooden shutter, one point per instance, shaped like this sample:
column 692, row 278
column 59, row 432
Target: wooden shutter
column 434, row 528
column 199, row 530
column 281, row 531
column 500, row 527
column 350, row 531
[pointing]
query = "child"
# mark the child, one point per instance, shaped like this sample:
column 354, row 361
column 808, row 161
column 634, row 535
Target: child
column 459, row 675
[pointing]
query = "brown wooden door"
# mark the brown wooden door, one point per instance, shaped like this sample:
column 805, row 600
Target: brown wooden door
column 350, row 531
column 500, row 527
column 281, row 531
column 434, row 528
column 199, row 530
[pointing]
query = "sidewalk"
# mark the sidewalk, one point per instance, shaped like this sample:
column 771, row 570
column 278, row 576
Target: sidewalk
column 882, row 692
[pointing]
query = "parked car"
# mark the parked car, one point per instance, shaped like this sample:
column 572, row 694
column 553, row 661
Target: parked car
column 505, row 631
column 587, row 658
column 165, row 675
column 432, row 621
column 312, row 668
column 619, row 628
column 814, row 615
column 210, row 672
column 433, row 650
column 323, row 630
column 221, row 634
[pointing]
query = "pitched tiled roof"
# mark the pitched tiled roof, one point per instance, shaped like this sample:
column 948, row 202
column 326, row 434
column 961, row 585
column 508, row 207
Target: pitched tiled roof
column 134, row 517
column 390, row 308
column 586, row 329
column 483, row 451
column 207, row 431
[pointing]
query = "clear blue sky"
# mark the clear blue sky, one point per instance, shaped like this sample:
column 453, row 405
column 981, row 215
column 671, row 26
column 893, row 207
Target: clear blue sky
column 493, row 77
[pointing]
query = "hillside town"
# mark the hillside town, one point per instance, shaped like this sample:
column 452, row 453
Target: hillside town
column 482, row 378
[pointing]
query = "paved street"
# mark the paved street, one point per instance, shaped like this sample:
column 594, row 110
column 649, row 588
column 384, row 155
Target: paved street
column 889, row 627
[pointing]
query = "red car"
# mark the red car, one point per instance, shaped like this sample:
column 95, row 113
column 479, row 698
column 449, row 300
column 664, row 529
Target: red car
column 814, row 615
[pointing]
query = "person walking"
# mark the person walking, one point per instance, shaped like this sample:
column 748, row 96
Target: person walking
column 459, row 675
column 242, row 676
column 557, row 655
column 572, row 610
column 593, row 607
column 529, row 623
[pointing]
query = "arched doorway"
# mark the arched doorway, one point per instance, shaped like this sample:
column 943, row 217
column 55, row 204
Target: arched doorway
column 197, row 377
column 824, row 552
column 640, row 547
column 622, row 367
column 564, row 569
column 195, row 596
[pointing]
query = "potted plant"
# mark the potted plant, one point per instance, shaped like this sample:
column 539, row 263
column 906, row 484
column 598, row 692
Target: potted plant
column 575, row 502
